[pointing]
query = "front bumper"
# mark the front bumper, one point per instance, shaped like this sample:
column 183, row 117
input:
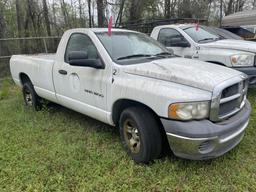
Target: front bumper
column 204, row 139
column 250, row 71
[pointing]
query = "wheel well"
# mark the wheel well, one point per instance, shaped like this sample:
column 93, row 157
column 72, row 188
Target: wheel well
column 122, row 104
column 216, row 62
column 24, row 78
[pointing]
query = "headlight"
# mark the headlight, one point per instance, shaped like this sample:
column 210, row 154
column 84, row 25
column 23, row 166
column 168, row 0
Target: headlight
column 242, row 60
column 189, row 111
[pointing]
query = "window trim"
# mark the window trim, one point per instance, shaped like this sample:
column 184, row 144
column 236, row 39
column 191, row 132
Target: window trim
column 171, row 29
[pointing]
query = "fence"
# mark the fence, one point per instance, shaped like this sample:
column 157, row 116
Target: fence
column 28, row 45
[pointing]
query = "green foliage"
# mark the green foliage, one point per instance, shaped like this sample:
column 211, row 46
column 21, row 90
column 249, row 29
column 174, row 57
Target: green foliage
column 5, row 86
column 60, row 150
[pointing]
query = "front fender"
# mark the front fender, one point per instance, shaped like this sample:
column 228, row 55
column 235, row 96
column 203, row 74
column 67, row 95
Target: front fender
column 218, row 56
column 154, row 93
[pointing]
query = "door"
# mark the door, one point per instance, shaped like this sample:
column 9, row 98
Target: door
column 173, row 39
column 81, row 88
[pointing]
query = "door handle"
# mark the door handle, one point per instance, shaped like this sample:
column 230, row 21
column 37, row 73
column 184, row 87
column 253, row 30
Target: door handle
column 188, row 56
column 63, row 72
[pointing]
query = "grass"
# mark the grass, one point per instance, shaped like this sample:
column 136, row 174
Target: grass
column 60, row 150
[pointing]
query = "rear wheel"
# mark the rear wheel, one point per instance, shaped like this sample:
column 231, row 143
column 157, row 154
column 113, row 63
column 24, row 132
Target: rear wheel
column 31, row 99
column 140, row 134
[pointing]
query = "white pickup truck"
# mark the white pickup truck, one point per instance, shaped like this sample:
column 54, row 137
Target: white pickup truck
column 131, row 81
column 190, row 41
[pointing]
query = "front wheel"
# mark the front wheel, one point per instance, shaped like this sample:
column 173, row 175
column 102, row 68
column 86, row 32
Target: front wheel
column 31, row 99
column 140, row 134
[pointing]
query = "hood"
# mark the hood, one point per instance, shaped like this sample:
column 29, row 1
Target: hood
column 240, row 45
column 188, row 72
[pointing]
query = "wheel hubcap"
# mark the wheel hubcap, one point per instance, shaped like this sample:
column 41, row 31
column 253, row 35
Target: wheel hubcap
column 28, row 98
column 131, row 135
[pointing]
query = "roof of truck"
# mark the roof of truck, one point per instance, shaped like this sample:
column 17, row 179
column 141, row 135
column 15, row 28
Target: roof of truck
column 100, row 30
column 177, row 25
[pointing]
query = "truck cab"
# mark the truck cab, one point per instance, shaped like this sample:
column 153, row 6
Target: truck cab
column 196, row 42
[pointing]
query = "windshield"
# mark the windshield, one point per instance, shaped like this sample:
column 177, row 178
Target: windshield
column 222, row 33
column 201, row 35
column 130, row 46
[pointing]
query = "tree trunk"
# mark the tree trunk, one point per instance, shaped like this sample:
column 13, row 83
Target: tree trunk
column 81, row 14
column 167, row 8
column 90, row 12
column 185, row 9
column 173, row 5
column 54, row 18
column 2, row 29
column 230, row 7
column 135, row 10
column 46, row 18
column 18, row 18
column 64, row 12
column 2, row 22
column 120, row 14
column 93, row 13
column 100, row 10
column 30, row 13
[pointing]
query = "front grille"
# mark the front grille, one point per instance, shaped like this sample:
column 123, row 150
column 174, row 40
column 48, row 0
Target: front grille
column 229, row 98
column 229, row 91
column 228, row 107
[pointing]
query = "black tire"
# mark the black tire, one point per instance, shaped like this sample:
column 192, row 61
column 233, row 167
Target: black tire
column 148, row 131
column 30, row 97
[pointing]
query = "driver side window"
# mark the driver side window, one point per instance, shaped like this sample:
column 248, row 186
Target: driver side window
column 170, row 37
column 81, row 42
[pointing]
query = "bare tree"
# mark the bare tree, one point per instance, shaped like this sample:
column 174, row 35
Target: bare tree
column 81, row 13
column 120, row 14
column 2, row 23
column 31, row 15
column 64, row 12
column 90, row 13
column 167, row 8
column 100, row 11
column 46, row 18
column 18, row 17
column 135, row 10
column 229, row 7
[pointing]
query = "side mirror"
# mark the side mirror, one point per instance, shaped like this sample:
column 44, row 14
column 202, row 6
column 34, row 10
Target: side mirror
column 170, row 50
column 184, row 44
column 80, row 58
column 179, row 42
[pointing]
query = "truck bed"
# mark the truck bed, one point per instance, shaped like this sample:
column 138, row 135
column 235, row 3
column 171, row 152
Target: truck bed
column 39, row 68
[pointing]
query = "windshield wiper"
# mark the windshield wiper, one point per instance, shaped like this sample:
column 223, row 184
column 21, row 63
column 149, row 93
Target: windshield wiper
column 164, row 54
column 136, row 55
column 207, row 39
